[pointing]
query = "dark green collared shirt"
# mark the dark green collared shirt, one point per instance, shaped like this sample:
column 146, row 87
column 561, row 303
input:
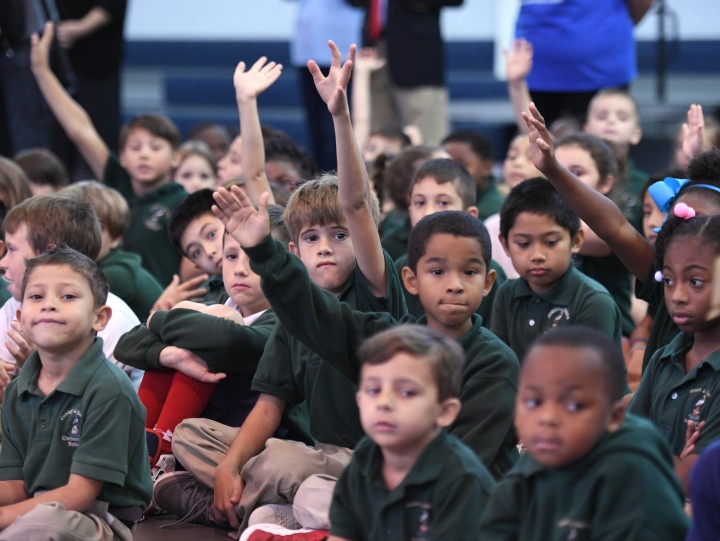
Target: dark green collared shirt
column 442, row 497
column 624, row 489
column 520, row 315
column 92, row 425
column 147, row 233
column 489, row 200
column 671, row 398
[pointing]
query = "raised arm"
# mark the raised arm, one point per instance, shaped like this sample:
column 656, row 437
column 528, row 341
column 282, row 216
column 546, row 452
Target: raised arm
column 72, row 117
column 354, row 185
column 71, row 30
column 248, row 86
column 599, row 212
column 518, row 63
column 367, row 62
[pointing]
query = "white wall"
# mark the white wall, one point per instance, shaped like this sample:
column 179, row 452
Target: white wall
column 273, row 19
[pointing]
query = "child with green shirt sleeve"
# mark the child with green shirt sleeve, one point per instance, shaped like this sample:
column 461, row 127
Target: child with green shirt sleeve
column 589, row 471
column 142, row 174
column 540, row 234
column 409, row 478
column 72, row 409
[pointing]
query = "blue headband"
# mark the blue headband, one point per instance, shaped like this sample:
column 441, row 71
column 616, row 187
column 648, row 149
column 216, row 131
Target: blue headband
column 665, row 191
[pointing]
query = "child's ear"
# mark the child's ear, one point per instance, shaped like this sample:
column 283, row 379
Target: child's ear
column 449, row 410
column 175, row 160
column 409, row 280
column 102, row 317
column 115, row 243
column 293, row 249
column 473, row 211
column 617, row 415
column 606, row 184
column 577, row 241
column 490, row 278
column 636, row 136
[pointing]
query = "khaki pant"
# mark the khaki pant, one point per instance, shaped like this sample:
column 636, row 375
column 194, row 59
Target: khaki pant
column 273, row 476
column 395, row 107
column 52, row 522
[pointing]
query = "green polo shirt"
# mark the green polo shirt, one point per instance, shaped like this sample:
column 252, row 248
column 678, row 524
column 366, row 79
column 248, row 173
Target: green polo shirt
column 520, row 315
column 442, row 496
column 92, row 425
column 671, row 398
column 130, row 281
column 610, row 272
column 292, row 371
column 415, row 307
column 663, row 328
column 624, row 489
column 336, row 330
column 147, row 234
column 489, row 200
column 4, row 293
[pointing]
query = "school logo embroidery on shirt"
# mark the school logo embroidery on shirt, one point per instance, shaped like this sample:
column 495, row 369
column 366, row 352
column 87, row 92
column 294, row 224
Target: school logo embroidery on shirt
column 422, row 531
column 158, row 215
column 558, row 314
column 695, row 412
column 575, row 527
column 71, row 422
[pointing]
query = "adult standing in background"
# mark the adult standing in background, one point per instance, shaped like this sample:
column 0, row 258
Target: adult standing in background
column 580, row 47
column 92, row 31
column 409, row 90
column 317, row 22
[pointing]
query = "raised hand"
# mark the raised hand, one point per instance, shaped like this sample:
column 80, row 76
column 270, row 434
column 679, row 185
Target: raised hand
column 518, row 60
column 40, row 49
column 333, row 87
column 693, row 132
column 541, row 141
column 253, row 82
column 246, row 225
column 177, row 292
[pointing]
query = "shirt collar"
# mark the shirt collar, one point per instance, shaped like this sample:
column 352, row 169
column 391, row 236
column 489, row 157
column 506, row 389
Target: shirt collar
column 561, row 294
column 75, row 382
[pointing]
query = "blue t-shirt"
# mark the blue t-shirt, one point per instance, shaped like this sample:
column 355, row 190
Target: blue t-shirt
column 579, row 45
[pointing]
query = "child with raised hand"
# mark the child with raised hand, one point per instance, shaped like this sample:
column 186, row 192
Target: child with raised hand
column 678, row 388
column 195, row 167
column 77, row 470
column 590, row 471
column 142, row 172
column 408, row 473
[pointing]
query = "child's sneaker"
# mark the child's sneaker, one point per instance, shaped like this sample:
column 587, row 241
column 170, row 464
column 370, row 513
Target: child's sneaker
column 275, row 513
column 273, row 532
column 181, row 494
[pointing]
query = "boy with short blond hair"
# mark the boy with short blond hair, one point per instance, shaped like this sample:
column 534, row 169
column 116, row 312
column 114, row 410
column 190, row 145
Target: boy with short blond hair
column 408, row 473
column 91, row 427
column 590, row 471
column 33, row 227
column 142, row 172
